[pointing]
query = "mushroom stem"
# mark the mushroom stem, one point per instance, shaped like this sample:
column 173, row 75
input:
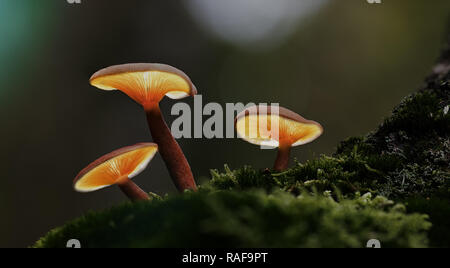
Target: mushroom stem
column 130, row 189
column 173, row 156
column 282, row 161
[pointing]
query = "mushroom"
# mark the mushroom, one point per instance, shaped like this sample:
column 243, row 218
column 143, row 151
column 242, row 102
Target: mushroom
column 117, row 168
column 147, row 84
column 254, row 125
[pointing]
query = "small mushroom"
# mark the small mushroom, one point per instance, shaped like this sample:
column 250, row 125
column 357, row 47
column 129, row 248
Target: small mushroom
column 254, row 125
column 117, row 168
column 147, row 84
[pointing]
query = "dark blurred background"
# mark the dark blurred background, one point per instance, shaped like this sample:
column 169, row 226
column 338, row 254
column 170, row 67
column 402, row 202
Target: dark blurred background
column 342, row 63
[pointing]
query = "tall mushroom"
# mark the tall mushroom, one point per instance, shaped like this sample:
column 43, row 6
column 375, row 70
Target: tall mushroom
column 117, row 168
column 147, row 84
column 254, row 126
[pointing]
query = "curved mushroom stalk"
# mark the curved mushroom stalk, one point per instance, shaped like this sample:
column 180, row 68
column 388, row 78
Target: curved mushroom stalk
column 148, row 84
column 132, row 191
column 293, row 130
column 173, row 156
column 117, row 168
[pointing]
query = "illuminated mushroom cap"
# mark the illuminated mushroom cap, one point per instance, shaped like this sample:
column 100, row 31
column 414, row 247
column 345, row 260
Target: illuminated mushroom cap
column 146, row 83
column 255, row 126
column 110, row 169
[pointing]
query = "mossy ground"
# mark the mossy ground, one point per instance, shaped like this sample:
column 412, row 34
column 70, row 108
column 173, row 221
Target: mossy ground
column 313, row 204
column 247, row 219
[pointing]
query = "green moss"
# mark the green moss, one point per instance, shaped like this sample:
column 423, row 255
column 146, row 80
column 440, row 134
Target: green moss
column 418, row 116
column 349, row 173
column 246, row 219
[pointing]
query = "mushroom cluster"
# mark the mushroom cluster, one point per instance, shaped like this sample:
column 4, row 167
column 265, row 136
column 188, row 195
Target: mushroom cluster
column 147, row 84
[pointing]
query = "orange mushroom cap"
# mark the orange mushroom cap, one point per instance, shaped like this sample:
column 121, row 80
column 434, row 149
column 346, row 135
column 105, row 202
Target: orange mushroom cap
column 110, row 169
column 254, row 125
column 146, row 83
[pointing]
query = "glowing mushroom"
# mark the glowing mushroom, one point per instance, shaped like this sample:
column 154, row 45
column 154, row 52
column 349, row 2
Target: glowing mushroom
column 117, row 168
column 147, row 84
column 255, row 125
